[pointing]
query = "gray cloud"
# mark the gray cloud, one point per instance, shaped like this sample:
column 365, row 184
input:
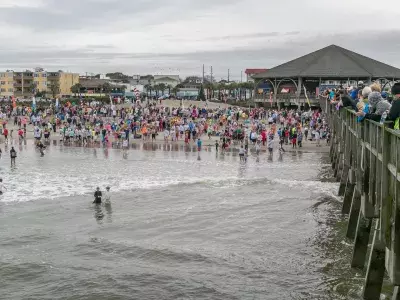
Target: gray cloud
column 56, row 15
column 179, row 36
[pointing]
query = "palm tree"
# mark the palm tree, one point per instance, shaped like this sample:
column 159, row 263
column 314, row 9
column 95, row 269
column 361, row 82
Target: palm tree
column 175, row 90
column 162, row 87
column 148, row 89
column 221, row 90
column 210, row 89
column 233, row 88
column 156, row 88
column 169, row 87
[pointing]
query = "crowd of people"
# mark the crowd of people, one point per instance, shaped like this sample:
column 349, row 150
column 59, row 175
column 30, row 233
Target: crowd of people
column 370, row 102
column 118, row 125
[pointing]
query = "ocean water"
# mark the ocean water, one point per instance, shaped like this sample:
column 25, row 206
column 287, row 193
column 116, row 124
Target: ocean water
column 182, row 225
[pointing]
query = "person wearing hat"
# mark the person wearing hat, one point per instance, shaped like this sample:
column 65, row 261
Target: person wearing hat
column 394, row 112
column 97, row 196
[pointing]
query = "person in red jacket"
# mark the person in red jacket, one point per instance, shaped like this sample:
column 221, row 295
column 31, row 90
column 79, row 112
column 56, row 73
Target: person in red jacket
column 5, row 133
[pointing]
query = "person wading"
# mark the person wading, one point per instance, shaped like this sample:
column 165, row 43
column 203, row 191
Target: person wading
column 13, row 155
column 97, row 196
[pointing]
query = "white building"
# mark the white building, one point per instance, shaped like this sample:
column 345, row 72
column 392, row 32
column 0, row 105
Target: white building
column 168, row 80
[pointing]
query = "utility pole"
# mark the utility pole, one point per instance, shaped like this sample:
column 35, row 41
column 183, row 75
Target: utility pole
column 203, row 75
column 212, row 89
column 228, row 75
column 241, row 76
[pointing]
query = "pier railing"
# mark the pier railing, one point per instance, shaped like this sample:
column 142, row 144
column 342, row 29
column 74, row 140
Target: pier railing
column 365, row 158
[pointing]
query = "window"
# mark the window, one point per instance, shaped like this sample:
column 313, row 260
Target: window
column 44, row 82
column 10, row 82
column 10, row 90
column 36, row 75
column 3, row 90
column 3, row 83
column 44, row 75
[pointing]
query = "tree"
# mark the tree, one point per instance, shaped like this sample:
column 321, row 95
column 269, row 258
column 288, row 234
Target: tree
column 148, row 88
column 156, row 88
column 54, row 88
column 201, row 96
column 107, row 88
column 232, row 87
column 162, row 87
column 40, row 94
column 76, row 88
column 175, row 90
column 169, row 87
column 210, row 90
column 33, row 87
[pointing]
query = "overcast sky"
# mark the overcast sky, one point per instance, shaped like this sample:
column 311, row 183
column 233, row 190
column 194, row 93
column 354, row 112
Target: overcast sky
column 178, row 36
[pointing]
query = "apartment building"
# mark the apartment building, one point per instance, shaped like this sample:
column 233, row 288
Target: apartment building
column 28, row 83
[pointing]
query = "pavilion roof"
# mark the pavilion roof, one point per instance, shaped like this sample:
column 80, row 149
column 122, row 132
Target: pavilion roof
column 332, row 62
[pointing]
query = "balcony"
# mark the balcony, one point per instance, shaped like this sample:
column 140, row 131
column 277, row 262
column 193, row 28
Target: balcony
column 18, row 84
column 53, row 76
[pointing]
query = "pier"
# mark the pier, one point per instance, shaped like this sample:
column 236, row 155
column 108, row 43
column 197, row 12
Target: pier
column 365, row 158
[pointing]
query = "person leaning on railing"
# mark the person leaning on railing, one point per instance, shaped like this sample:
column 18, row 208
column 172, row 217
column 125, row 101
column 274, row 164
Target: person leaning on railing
column 394, row 112
column 378, row 106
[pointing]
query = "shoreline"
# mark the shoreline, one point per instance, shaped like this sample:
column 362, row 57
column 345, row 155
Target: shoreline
column 140, row 144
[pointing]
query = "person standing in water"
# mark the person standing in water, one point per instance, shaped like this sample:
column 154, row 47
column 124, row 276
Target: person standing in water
column 107, row 197
column 41, row 147
column 13, row 155
column 199, row 142
column 97, row 196
column 242, row 153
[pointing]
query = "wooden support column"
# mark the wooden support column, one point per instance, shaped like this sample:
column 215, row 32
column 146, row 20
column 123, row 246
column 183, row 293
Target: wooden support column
column 353, row 215
column 376, row 268
column 361, row 241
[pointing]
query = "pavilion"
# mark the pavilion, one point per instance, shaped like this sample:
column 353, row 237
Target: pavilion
column 329, row 67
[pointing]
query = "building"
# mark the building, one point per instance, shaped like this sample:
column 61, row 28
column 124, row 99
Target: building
column 29, row 83
column 7, row 83
column 251, row 72
column 146, row 80
column 193, row 82
column 167, row 80
column 332, row 66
